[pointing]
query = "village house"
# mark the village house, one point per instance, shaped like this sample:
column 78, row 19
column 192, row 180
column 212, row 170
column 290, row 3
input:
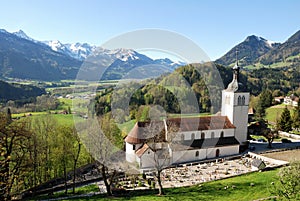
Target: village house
column 190, row 139
column 291, row 100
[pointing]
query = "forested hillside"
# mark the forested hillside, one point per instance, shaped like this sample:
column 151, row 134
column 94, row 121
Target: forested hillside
column 169, row 89
column 18, row 92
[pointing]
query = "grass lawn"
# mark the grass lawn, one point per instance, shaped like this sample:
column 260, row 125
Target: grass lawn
column 127, row 126
column 273, row 113
column 215, row 191
column 62, row 119
column 66, row 119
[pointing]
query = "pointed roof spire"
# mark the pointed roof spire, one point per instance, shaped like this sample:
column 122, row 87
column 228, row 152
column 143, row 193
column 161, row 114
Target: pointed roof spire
column 234, row 85
column 236, row 66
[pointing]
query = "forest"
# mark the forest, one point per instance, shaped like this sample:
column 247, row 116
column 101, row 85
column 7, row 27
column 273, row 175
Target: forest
column 187, row 82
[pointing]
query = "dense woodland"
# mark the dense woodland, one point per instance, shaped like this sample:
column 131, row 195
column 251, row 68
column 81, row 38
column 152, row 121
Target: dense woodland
column 19, row 93
column 169, row 91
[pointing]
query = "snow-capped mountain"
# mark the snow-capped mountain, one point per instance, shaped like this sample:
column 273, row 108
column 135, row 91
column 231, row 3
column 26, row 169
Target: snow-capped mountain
column 71, row 57
column 78, row 51
column 169, row 62
column 269, row 43
column 122, row 54
column 22, row 34
column 81, row 51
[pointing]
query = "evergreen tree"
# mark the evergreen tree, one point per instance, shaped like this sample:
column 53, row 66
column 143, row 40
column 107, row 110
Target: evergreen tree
column 8, row 115
column 285, row 121
column 266, row 96
column 264, row 101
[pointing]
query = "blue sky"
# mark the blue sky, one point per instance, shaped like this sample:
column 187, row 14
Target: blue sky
column 214, row 25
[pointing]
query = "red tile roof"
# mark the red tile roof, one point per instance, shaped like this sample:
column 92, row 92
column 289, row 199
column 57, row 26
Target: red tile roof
column 201, row 123
column 142, row 150
column 142, row 131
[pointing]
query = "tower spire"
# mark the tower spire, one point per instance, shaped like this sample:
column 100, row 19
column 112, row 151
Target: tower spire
column 236, row 57
column 234, row 85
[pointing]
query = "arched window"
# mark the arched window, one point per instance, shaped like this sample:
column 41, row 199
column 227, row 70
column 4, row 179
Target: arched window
column 212, row 134
column 133, row 147
column 202, row 135
column 197, row 154
column 239, row 100
column 217, row 152
column 193, row 136
column 182, row 137
column 222, row 134
column 243, row 100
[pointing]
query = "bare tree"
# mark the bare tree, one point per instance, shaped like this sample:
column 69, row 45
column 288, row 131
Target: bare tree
column 105, row 153
column 75, row 155
column 14, row 141
column 160, row 140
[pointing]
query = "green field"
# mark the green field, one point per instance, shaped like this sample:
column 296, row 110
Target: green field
column 235, row 188
column 273, row 113
column 62, row 119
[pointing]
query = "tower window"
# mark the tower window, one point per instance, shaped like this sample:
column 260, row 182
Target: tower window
column 239, row 100
column 133, row 147
column 243, row 100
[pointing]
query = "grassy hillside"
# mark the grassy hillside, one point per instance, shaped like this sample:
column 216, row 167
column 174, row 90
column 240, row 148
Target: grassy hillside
column 273, row 113
column 239, row 188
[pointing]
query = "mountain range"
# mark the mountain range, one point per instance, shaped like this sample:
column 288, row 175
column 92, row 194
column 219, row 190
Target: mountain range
column 257, row 52
column 26, row 58
column 23, row 57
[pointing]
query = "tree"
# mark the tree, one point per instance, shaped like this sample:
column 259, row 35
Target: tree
column 264, row 101
column 103, row 147
column 75, row 153
column 285, row 121
column 270, row 135
column 296, row 117
column 288, row 185
column 14, row 141
column 160, row 142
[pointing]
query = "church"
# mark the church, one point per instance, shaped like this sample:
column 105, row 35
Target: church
column 182, row 140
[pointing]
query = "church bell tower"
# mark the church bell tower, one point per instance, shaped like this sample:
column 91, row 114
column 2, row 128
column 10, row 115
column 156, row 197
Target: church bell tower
column 235, row 104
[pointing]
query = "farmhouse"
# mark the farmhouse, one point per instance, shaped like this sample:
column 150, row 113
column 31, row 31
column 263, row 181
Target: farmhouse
column 191, row 139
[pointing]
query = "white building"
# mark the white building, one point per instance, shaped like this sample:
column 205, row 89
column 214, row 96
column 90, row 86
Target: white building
column 291, row 100
column 182, row 140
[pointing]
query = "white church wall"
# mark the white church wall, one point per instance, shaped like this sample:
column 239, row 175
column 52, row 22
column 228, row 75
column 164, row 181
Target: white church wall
column 227, row 104
column 229, row 132
column 130, row 153
column 241, row 122
column 241, row 94
column 236, row 109
column 240, row 118
column 148, row 160
column 223, row 151
column 188, row 155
